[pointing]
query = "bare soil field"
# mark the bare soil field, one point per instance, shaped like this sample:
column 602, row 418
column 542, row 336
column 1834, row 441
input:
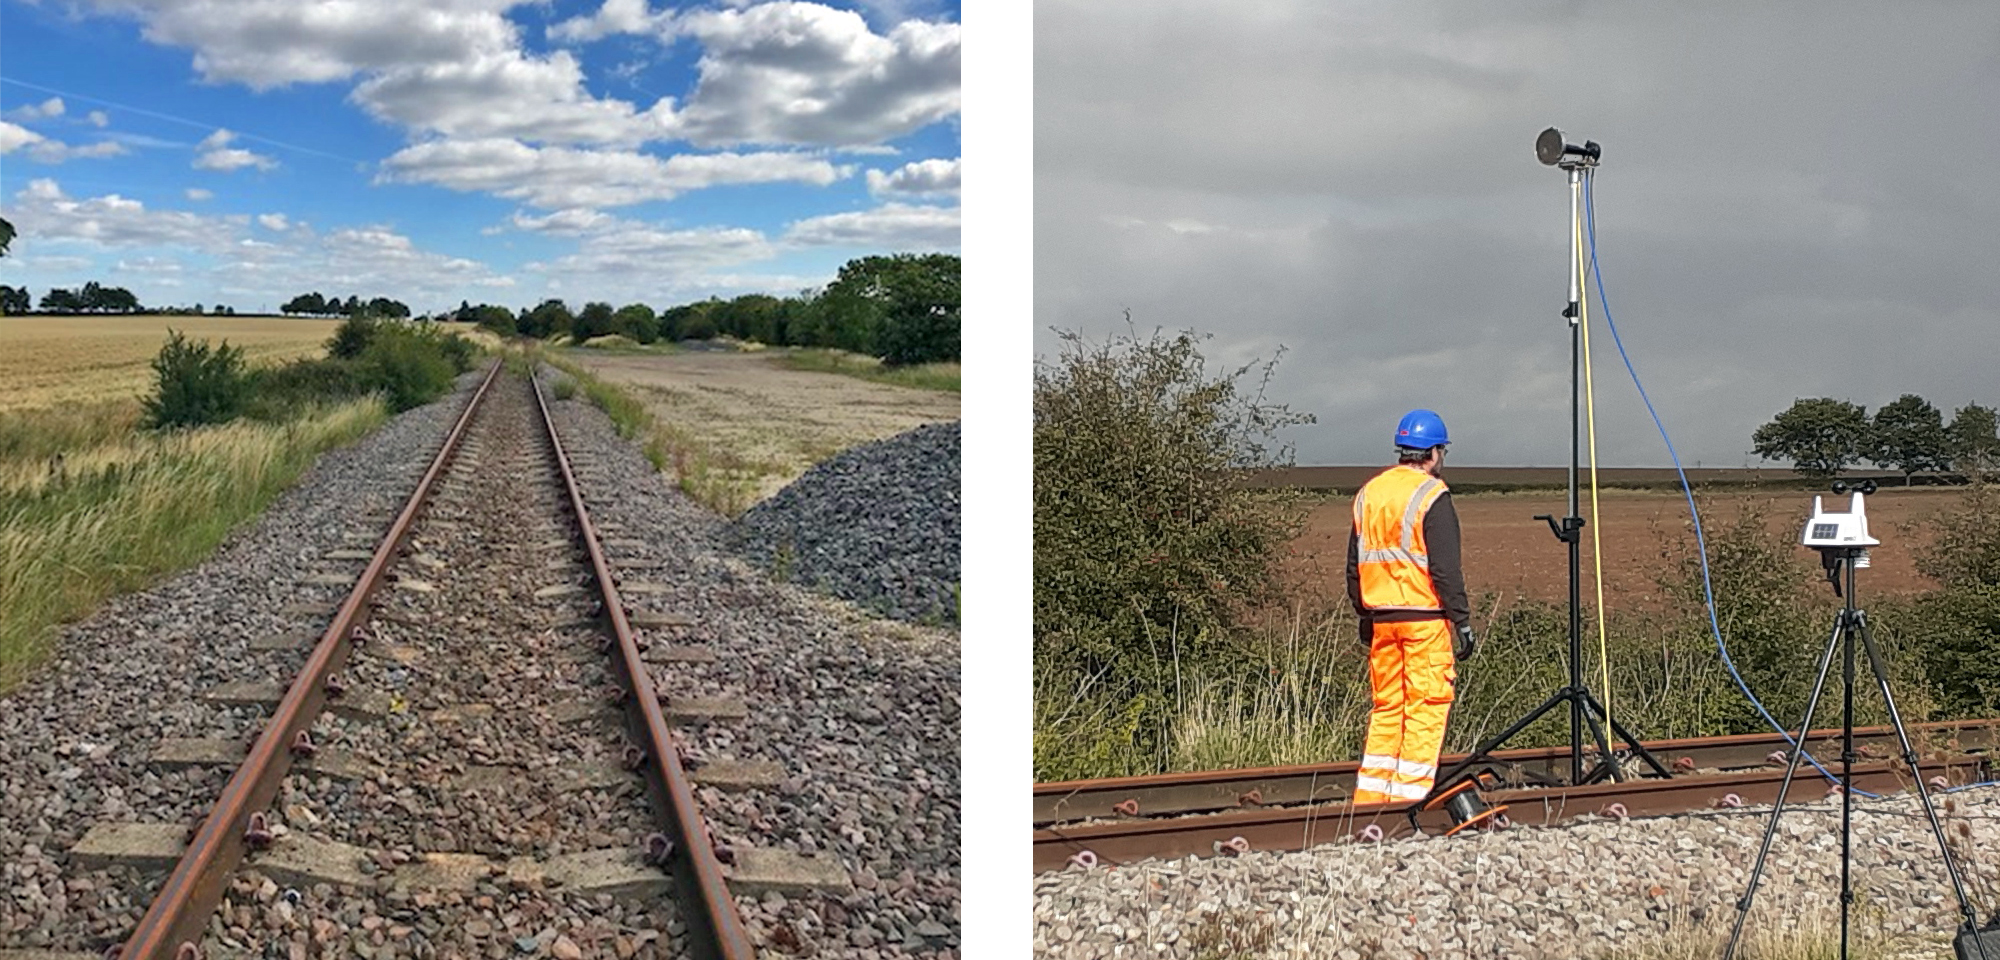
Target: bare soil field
column 1510, row 553
column 781, row 420
column 54, row 361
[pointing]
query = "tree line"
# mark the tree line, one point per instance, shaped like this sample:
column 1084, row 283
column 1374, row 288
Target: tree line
column 1824, row 436
column 315, row 304
column 902, row 308
column 92, row 297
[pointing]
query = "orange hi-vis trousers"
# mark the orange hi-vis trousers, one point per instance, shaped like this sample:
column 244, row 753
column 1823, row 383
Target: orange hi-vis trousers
column 1412, row 669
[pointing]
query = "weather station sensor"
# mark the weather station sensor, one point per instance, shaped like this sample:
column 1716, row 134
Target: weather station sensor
column 1840, row 531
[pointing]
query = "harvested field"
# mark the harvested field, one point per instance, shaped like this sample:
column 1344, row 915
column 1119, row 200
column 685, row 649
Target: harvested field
column 1510, row 553
column 759, row 419
column 52, row 361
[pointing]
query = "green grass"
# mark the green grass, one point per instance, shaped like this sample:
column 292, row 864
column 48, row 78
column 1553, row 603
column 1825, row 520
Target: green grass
column 928, row 376
column 115, row 516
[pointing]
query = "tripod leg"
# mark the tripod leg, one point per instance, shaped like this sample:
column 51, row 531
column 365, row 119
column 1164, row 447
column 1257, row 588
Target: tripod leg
column 1445, row 778
column 1638, row 749
column 1791, row 768
column 1916, row 773
column 1606, row 760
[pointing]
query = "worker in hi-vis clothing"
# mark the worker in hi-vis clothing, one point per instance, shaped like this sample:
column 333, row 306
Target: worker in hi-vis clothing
column 1403, row 577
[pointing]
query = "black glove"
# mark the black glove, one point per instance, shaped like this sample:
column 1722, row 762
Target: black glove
column 1367, row 632
column 1464, row 645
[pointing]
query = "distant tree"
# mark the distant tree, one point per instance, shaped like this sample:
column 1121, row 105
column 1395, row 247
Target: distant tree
column 59, row 300
column 352, row 307
column 1974, row 439
column 636, row 320
column 547, row 319
column 596, row 320
column 14, row 302
column 6, row 236
column 1820, row 436
column 698, row 323
column 1908, row 435
column 500, row 320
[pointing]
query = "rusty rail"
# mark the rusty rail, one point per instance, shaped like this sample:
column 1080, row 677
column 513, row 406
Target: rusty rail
column 1200, row 792
column 179, row 914
column 715, row 929
column 1302, row 827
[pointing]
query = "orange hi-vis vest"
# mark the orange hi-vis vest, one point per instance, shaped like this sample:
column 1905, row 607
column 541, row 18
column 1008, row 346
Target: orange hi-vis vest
column 1389, row 514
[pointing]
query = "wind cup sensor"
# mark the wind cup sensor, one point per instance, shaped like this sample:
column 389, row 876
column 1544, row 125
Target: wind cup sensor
column 1551, row 149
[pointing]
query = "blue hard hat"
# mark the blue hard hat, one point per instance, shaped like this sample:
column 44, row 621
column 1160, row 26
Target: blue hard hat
column 1421, row 430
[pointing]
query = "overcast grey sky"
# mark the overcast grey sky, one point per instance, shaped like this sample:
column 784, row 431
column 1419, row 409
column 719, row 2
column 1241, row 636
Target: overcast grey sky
column 1796, row 200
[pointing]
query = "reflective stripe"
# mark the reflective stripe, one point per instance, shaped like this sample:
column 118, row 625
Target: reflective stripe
column 1377, row 784
column 1426, row 492
column 1422, row 770
column 1401, row 791
column 1376, row 761
column 1393, row 555
column 1406, row 609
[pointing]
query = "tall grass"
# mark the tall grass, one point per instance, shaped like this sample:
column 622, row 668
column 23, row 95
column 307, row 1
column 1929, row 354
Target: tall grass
column 922, row 376
column 115, row 516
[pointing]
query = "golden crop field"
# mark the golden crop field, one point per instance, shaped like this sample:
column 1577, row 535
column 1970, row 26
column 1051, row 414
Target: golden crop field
column 56, row 361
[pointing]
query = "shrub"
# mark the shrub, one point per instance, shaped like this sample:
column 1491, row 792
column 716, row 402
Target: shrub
column 409, row 366
column 1145, row 545
column 352, row 337
column 195, row 384
column 277, row 393
column 924, row 336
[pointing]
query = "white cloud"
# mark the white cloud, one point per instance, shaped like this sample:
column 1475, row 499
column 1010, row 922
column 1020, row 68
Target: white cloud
column 44, row 150
column 52, row 107
column 892, row 226
column 623, row 261
column 563, row 223
column 508, row 94
column 804, row 73
column 615, row 16
column 46, row 213
column 99, row 119
column 197, row 193
column 219, row 256
column 216, row 154
column 14, row 136
column 273, row 221
column 558, row 178
column 271, row 43
column 922, row 178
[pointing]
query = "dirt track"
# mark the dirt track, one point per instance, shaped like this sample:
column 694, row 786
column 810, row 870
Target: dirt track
column 1509, row 552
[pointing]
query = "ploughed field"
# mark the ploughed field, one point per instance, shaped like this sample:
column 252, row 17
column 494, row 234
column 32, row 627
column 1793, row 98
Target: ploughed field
column 1643, row 532
column 51, row 361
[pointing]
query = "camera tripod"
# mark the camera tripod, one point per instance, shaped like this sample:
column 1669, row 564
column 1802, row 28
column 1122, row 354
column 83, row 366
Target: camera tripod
column 1848, row 624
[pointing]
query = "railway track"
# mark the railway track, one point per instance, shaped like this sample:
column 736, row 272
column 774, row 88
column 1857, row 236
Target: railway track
column 466, row 755
column 1120, row 820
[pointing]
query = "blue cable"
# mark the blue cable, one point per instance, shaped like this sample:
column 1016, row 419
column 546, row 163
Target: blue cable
column 1708, row 589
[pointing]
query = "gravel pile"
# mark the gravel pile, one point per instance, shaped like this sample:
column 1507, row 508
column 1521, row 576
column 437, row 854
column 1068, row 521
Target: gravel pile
column 1583, row 890
column 76, row 738
column 861, row 714
column 876, row 524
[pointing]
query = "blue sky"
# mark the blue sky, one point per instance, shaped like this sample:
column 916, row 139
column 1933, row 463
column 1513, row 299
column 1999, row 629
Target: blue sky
column 245, row 151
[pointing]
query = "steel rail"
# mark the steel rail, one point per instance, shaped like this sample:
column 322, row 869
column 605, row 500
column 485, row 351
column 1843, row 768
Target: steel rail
column 1299, row 828
column 715, row 928
column 1198, row 792
column 175, row 921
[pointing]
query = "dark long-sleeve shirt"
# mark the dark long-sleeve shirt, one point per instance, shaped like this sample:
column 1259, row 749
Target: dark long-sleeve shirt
column 1441, row 542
